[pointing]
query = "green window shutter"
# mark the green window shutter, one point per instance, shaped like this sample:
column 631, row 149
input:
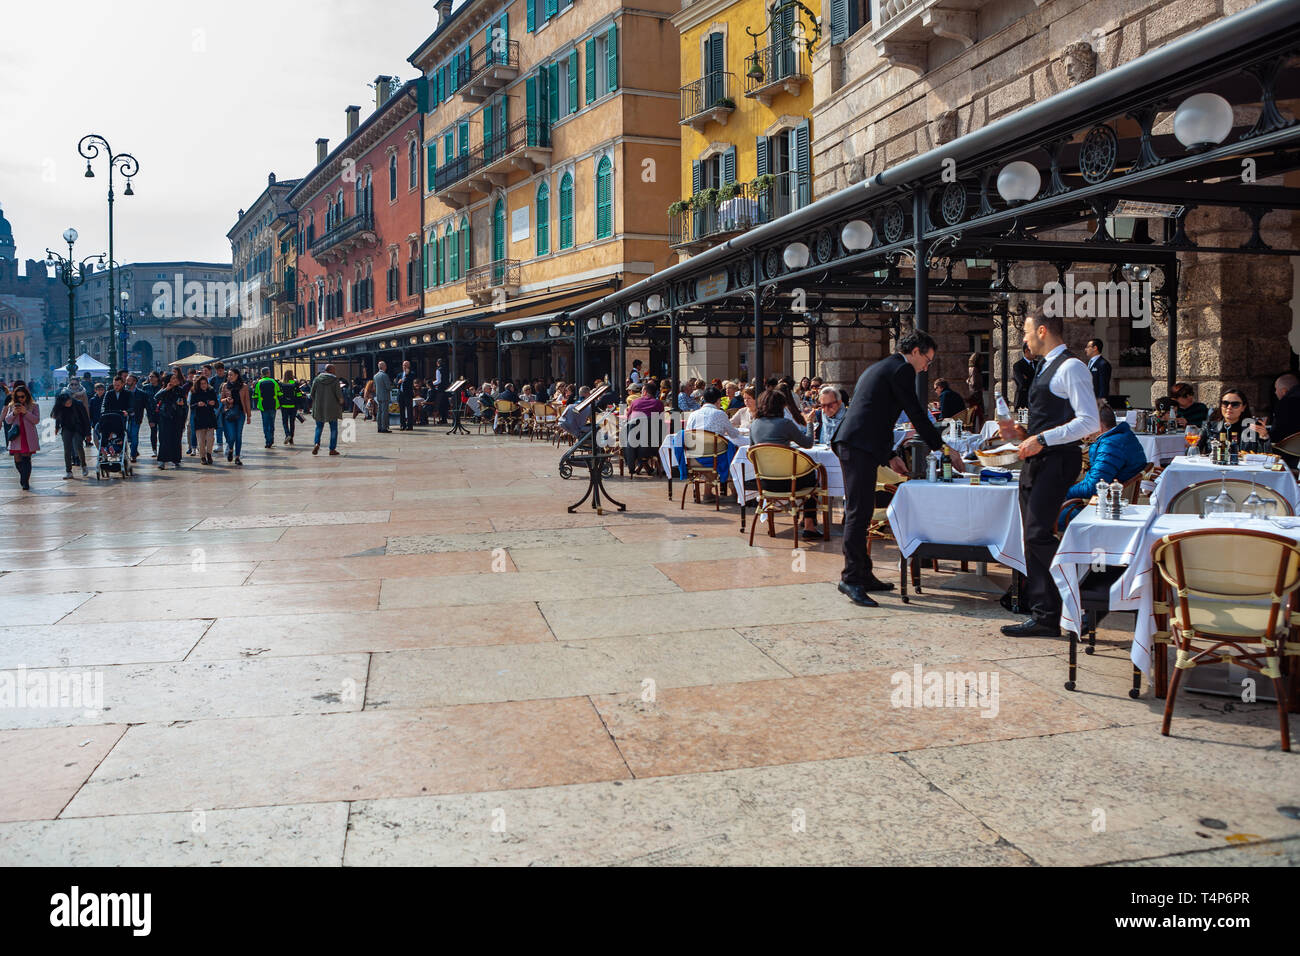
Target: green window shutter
column 463, row 135
column 839, row 20
column 432, row 154
column 465, row 263
column 503, row 117
column 551, row 8
column 448, row 147
column 760, row 157
column 591, row 69
column 802, row 163
column 566, row 211
column 424, row 260
column 447, row 238
column 422, row 94
column 573, row 82
column 543, row 96
column 532, row 15
column 499, row 231
column 605, row 199
column 553, row 91
column 611, row 56
column 488, row 128
column 543, row 217
column 504, row 26
column 729, row 166
column 530, row 100
column 436, row 272
column 695, row 176
column 453, row 253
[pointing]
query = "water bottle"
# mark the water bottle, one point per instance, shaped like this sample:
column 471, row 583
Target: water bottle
column 931, row 467
column 1004, row 411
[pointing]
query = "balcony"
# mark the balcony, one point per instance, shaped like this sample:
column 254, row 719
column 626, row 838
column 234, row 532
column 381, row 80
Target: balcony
column 345, row 236
column 487, row 71
column 906, row 27
column 707, row 100
column 779, row 68
column 710, row 221
column 526, row 147
column 482, row 282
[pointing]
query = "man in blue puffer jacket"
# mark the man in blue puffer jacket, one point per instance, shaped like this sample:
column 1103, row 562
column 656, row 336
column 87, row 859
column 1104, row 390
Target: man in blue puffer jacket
column 1115, row 456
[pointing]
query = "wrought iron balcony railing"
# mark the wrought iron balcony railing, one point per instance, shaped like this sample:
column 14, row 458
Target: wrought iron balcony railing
column 708, row 220
column 489, row 68
column 780, row 66
column 347, row 229
column 707, row 100
column 500, row 274
column 523, row 134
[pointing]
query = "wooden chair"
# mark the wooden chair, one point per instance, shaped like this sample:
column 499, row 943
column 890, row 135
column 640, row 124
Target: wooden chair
column 887, row 482
column 1290, row 445
column 777, row 472
column 697, row 445
column 507, row 415
column 546, row 418
column 1231, row 597
column 1191, row 500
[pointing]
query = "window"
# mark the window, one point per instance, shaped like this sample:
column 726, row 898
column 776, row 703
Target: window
column 602, row 63
column 453, row 253
column 392, row 178
column 412, row 159
column 543, row 219
column 566, row 211
column 604, row 199
column 465, row 246
column 499, row 230
column 444, row 264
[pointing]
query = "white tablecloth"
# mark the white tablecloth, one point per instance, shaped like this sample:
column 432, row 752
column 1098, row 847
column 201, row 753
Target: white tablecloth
column 933, row 512
column 1184, row 472
column 742, row 471
column 1137, row 589
column 1161, row 449
column 1091, row 540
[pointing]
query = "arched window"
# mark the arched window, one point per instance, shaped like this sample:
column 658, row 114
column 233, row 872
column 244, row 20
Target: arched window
column 369, row 193
column 392, row 177
column 359, row 199
column 604, row 199
column 448, row 237
column 338, row 208
column 465, row 246
column 543, row 219
column 412, row 157
column 453, row 254
column 566, row 211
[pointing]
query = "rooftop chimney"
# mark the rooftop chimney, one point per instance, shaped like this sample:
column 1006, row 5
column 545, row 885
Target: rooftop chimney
column 270, row 179
column 444, row 11
column 322, row 150
column 383, row 90
column 354, row 115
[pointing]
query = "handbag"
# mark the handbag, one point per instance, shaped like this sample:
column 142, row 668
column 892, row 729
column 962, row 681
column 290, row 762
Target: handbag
column 13, row 432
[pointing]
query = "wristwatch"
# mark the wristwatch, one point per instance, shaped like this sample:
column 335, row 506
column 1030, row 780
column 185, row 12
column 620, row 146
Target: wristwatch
column 1041, row 440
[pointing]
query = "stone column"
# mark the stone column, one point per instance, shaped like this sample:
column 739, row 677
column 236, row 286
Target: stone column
column 848, row 353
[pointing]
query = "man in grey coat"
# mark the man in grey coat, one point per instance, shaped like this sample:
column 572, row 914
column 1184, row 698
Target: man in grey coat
column 383, row 395
column 326, row 406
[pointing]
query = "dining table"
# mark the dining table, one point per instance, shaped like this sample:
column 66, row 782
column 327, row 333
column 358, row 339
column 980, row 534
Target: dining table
column 1183, row 472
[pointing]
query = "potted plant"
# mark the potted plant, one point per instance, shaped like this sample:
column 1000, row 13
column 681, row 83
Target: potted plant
column 707, row 197
column 679, row 207
column 729, row 191
column 725, row 102
column 764, row 182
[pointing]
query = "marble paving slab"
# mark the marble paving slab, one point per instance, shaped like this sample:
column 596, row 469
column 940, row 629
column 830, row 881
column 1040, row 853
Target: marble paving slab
column 193, row 690
column 18, row 608
column 297, row 520
column 163, row 539
column 604, row 590
column 870, row 809
column 726, row 726
column 44, row 768
column 351, row 756
column 344, row 632
column 198, row 572
column 558, row 541
column 311, row 834
column 718, row 551
column 120, row 642
column 468, row 675
column 60, row 560
column 173, row 604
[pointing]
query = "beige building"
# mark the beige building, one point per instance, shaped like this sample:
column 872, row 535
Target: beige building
column 551, row 152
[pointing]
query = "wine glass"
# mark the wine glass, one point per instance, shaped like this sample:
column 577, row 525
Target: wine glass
column 1222, row 503
column 1192, row 435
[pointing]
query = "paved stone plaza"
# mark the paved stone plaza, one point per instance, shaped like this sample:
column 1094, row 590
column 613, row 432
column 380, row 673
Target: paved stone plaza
column 411, row 654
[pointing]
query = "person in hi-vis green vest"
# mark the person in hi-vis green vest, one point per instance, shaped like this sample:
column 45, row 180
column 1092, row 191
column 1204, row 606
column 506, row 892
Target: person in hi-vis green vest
column 266, row 393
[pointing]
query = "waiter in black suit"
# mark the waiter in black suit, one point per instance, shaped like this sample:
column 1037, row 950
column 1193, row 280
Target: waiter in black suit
column 865, row 440
column 439, row 390
column 1022, row 373
column 1098, row 367
column 1062, row 412
column 406, row 398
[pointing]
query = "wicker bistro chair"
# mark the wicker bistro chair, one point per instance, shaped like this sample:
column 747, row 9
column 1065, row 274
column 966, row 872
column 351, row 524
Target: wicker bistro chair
column 546, row 418
column 508, row 415
column 777, row 472
column 1191, row 500
column 1231, row 596
column 699, row 445
column 527, row 420
column 887, row 482
column 1290, row 445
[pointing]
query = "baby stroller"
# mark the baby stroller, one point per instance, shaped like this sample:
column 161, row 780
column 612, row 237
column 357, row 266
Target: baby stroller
column 584, row 449
column 114, row 456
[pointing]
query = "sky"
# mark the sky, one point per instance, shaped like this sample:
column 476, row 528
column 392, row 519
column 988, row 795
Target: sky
column 208, row 97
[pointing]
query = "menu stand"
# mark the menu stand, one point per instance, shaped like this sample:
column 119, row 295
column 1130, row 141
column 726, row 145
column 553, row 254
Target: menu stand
column 596, row 460
column 454, row 391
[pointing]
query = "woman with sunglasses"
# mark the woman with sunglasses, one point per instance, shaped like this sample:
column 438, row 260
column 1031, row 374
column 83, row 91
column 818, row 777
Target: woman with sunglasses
column 1226, row 421
column 21, row 417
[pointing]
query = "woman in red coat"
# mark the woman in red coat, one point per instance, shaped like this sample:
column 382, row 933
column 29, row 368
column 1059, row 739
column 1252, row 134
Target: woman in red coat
column 22, row 415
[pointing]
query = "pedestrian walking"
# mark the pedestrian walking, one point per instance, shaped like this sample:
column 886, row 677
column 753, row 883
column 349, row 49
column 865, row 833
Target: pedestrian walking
column 204, row 404
column 72, row 422
column 192, row 443
column 217, row 381
column 383, row 396
column 236, row 412
column 173, row 414
column 406, row 398
column 22, row 415
column 150, row 389
column 327, row 407
column 288, row 404
column 139, row 404
column 266, row 393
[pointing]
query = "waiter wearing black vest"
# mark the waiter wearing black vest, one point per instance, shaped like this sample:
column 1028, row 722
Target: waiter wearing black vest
column 1062, row 412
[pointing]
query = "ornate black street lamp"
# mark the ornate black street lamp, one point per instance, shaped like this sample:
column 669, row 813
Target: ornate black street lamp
column 90, row 147
column 755, row 71
column 72, row 276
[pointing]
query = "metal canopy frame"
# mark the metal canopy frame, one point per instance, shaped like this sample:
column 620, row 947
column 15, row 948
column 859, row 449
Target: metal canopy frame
column 1094, row 147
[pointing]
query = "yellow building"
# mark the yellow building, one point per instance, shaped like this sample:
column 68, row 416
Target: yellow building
column 286, row 312
column 550, row 153
column 745, row 101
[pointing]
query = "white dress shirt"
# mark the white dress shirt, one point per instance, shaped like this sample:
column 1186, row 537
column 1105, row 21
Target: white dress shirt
column 711, row 418
column 1072, row 382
